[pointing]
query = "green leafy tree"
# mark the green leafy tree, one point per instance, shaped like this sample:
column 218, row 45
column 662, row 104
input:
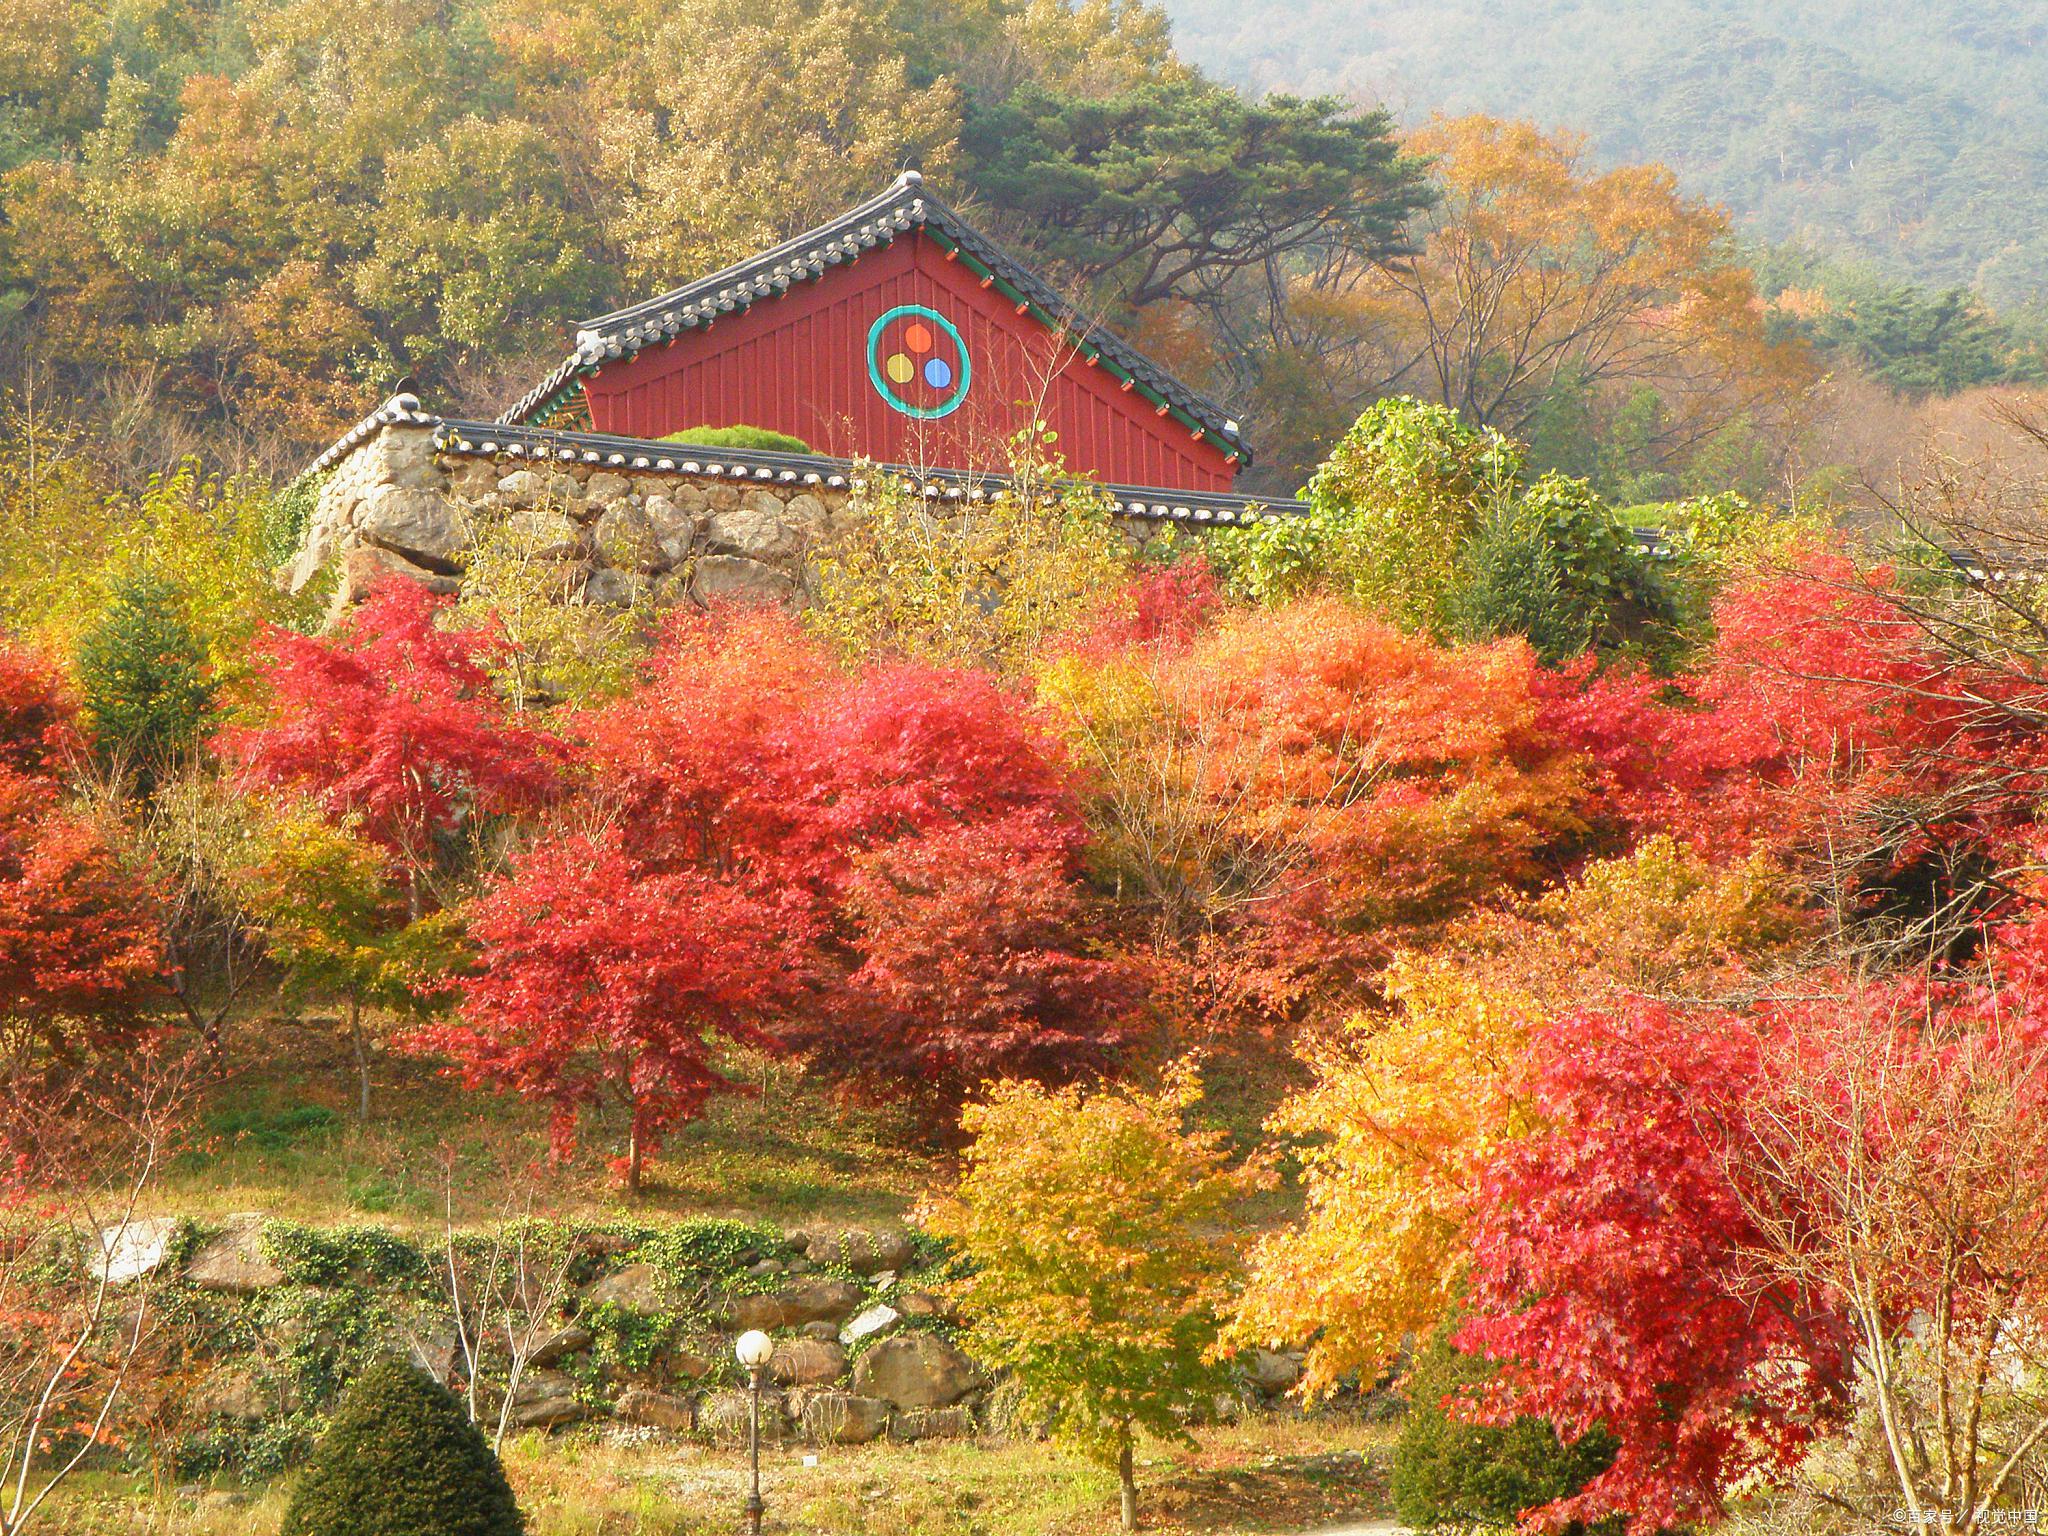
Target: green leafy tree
column 1453, row 1476
column 149, row 693
column 987, row 583
column 1098, row 1231
column 473, row 237
column 517, row 587
column 401, row 1458
column 334, row 919
column 1388, row 513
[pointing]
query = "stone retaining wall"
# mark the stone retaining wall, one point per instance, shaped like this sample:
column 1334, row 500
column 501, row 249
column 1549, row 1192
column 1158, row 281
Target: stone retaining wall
column 863, row 1339
column 396, row 504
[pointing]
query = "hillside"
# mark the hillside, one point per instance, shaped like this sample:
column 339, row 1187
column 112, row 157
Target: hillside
column 1915, row 138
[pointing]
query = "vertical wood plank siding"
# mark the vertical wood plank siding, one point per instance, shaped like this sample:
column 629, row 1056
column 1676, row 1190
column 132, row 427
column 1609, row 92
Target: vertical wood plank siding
column 798, row 364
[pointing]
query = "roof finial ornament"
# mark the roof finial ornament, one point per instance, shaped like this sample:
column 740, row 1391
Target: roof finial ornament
column 911, row 178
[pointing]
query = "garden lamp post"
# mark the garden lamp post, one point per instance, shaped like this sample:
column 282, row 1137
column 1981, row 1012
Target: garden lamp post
column 752, row 1352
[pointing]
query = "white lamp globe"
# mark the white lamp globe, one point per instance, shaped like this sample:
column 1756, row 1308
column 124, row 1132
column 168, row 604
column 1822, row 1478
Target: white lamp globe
column 753, row 1349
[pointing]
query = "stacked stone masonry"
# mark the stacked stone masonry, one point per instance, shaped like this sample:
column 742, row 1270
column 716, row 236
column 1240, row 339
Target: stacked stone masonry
column 864, row 1342
column 397, row 504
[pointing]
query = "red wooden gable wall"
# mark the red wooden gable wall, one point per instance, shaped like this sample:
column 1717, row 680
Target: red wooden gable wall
column 800, row 364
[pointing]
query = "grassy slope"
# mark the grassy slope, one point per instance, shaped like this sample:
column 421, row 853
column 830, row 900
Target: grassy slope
column 278, row 1135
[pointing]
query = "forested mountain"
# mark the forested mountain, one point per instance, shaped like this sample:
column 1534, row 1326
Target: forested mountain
column 1912, row 136
column 246, row 220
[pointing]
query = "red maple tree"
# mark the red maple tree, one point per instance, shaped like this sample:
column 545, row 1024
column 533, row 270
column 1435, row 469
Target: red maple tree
column 392, row 719
column 909, row 831
column 79, row 942
column 1822, row 715
column 1609, row 1279
column 599, row 978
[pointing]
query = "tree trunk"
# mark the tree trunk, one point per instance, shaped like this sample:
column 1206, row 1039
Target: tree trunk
column 633, row 1157
column 1130, row 1487
column 362, row 1050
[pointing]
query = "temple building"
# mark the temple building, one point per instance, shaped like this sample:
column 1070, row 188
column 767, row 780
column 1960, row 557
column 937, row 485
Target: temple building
column 894, row 339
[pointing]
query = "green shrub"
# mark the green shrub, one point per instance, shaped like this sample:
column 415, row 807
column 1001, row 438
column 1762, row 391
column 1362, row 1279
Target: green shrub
column 143, row 671
column 328, row 1256
column 739, row 437
column 1555, row 566
column 1387, row 514
column 707, row 1247
column 401, row 1459
column 286, row 515
column 1452, row 1476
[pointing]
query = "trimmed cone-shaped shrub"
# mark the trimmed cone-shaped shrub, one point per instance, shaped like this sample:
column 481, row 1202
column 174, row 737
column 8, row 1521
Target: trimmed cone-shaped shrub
column 401, row 1459
column 1452, row 1476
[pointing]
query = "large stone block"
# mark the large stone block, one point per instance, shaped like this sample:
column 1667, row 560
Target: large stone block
column 135, row 1248
column 363, row 567
column 918, row 1370
column 871, row 1323
column 233, row 1261
column 404, row 457
column 956, row 1423
column 544, row 532
column 723, row 1416
column 660, row 1410
column 315, row 549
column 472, row 478
column 571, row 1339
column 546, row 1399
column 755, row 1311
column 674, row 527
column 637, row 1288
column 625, row 537
column 866, row 1251
column 807, row 512
column 806, row 1363
column 536, row 487
column 426, row 527
column 758, row 528
column 1272, row 1371
column 843, row 1418
column 818, row 1299
column 607, row 588
column 736, row 579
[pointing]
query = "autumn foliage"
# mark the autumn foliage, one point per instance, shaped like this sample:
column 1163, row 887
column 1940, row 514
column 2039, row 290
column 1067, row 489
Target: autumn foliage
column 79, row 945
column 391, row 721
column 879, row 869
column 601, row 979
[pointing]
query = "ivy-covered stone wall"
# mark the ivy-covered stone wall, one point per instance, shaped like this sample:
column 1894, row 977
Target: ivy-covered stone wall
column 623, row 1325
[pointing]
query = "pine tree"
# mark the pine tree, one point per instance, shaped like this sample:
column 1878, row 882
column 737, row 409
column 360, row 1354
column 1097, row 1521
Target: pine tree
column 401, row 1459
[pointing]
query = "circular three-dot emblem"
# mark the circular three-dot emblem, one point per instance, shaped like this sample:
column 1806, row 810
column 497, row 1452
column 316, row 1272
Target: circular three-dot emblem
column 917, row 361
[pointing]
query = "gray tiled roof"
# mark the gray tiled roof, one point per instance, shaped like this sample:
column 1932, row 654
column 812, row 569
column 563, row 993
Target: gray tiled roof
column 512, row 440
column 906, row 206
